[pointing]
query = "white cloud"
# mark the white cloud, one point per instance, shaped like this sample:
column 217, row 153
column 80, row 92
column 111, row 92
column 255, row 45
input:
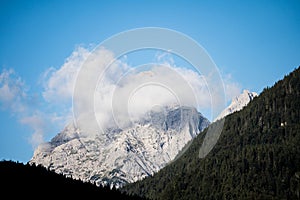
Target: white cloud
column 14, row 97
column 165, row 57
column 59, row 83
column 232, row 89
column 123, row 94
column 38, row 124
column 160, row 85
column 12, row 91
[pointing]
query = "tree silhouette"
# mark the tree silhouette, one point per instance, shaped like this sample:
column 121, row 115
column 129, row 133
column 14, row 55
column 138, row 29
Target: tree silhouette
column 37, row 182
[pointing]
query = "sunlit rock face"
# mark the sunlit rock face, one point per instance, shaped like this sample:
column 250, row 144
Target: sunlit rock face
column 122, row 155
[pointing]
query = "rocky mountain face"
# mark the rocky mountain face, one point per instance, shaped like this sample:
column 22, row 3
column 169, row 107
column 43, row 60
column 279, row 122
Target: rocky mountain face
column 122, row 156
column 237, row 103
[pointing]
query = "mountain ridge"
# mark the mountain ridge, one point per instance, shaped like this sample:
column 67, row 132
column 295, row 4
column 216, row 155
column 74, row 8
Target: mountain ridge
column 122, row 156
column 256, row 157
column 237, row 103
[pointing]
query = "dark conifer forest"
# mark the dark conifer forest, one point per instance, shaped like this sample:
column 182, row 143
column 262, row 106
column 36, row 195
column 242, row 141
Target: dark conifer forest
column 26, row 181
column 256, row 157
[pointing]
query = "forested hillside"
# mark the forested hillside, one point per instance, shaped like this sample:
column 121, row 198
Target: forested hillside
column 256, row 157
column 36, row 182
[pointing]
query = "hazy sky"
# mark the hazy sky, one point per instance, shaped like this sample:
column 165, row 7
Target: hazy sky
column 253, row 43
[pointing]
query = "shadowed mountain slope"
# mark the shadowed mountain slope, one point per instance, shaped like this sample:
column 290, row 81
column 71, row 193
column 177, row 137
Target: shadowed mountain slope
column 256, row 157
column 36, row 182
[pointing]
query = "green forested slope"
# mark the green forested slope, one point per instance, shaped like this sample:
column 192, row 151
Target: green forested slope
column 256, row 157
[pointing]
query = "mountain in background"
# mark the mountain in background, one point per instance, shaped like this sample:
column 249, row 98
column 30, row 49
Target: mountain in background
column 237, row 103
column 256, row 157
column 36, row 182
column 122, row 156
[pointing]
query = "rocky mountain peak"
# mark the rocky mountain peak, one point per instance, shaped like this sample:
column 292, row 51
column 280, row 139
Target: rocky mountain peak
column 123, row 156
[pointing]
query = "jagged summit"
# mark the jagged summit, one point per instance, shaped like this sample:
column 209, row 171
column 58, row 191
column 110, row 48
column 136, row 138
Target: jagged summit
column 237, row 103
column 123, row 156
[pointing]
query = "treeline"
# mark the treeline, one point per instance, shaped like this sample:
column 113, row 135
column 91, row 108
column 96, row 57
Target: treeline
column 27, row 181
column 256, row 157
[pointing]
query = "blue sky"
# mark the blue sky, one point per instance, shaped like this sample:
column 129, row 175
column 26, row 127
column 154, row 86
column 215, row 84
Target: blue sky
column 255, row 43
